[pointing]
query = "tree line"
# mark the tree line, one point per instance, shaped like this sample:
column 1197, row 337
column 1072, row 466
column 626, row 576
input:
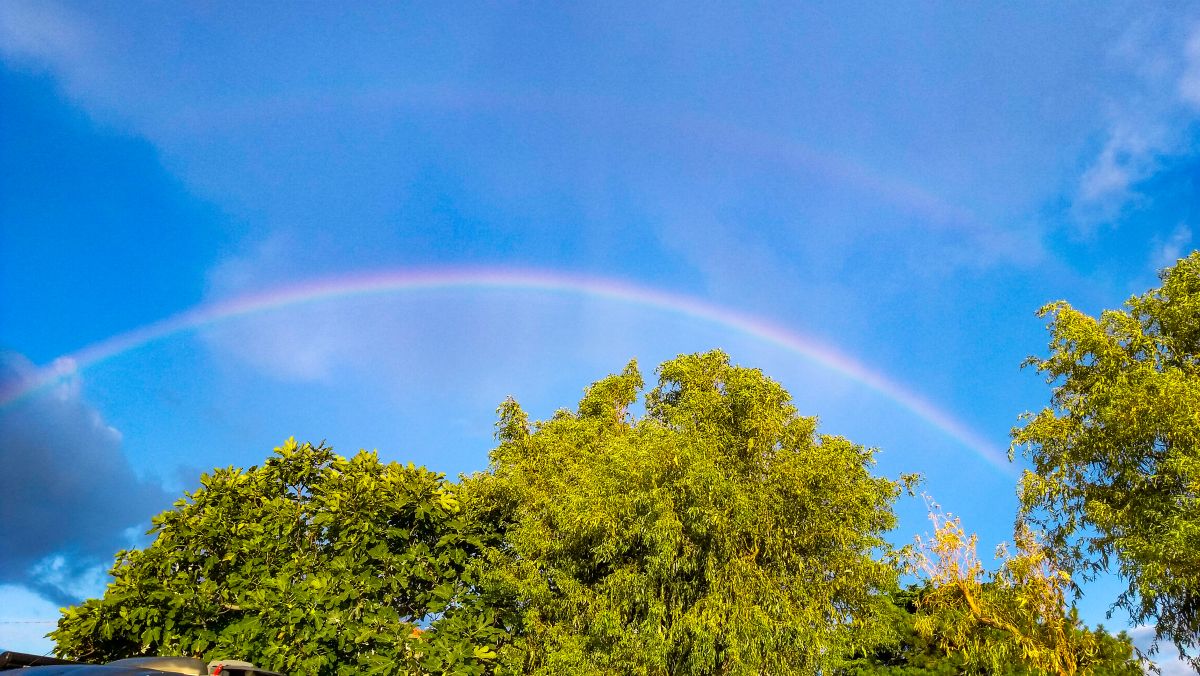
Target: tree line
column 719, row 532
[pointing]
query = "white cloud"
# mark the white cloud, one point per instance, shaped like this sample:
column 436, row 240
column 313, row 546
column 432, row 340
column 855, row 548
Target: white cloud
column 1167, row 252
column 1167, row 658
column 304, row 344
column 73, row 580
column 1147, row 119
column 1129, row 155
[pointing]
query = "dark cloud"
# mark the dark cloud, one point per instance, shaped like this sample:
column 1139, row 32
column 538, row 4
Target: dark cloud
column 68, row 495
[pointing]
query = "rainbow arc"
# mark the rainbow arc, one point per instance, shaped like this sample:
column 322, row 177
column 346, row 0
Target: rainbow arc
column 411, row 281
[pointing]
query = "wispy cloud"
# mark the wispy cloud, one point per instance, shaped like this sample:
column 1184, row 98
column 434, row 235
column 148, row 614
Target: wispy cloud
column 45, row 36
column 38, row 30
column 1148, row 123
column 1168, row 251
column 1128, row 156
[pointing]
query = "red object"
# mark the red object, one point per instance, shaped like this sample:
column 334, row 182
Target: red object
column 218, row 669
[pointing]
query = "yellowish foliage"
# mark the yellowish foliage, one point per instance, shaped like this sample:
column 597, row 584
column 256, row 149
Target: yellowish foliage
column 1024, row 602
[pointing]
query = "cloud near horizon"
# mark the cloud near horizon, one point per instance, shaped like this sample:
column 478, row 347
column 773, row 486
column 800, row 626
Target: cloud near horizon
column 1166, row 655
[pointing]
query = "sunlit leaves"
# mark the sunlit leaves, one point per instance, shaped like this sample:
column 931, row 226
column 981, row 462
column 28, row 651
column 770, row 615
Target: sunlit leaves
column 312, row 564
column 719, row 534
column 1016, row 615
column 1116, row 456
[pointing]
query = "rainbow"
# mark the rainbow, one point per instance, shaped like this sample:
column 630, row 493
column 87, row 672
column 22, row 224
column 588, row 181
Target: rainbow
column 716, row 132
column 418, row 280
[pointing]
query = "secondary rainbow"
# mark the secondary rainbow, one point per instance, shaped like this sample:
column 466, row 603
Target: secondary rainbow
column 418, row 280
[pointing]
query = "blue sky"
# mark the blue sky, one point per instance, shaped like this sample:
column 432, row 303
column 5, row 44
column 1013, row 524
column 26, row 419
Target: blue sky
column 905, row 184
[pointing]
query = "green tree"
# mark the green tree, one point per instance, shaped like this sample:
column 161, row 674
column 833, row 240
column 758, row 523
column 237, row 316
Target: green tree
column 309, row 564
column 1014, row 619
column 1116, row 456
column 716, row 534
column 918, row 649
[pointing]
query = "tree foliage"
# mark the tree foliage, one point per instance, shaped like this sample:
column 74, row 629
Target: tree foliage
column 716, row 534
column 1116, row 457
column 1016, row 617
column 919, row 648
column 309, row 564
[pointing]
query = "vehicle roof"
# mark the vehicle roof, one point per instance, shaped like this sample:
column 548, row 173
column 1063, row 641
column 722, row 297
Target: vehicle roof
column 89, row 670
column 41, row 665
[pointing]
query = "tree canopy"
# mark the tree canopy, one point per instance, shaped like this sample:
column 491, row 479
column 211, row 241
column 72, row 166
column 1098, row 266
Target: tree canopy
column 309, row 564
column 931, row 637
column 1116, row 456
column 719, row 533
column 702, row 527
column 1014, row 619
